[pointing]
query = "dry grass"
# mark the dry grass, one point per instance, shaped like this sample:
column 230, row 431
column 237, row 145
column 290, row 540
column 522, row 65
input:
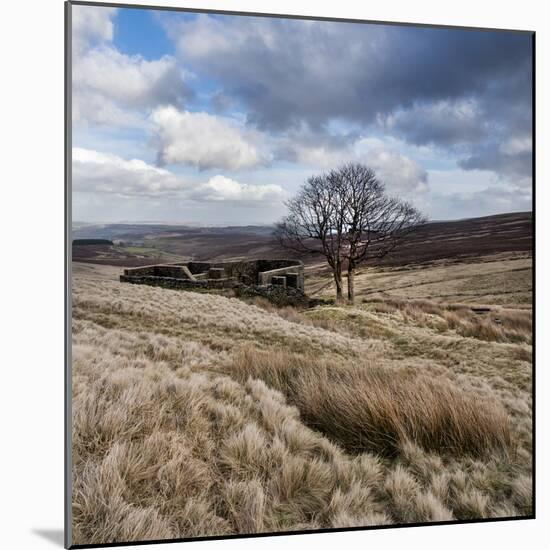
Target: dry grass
column 368, row 408
column 499, row 325
column 161, row 451
column 504, row 279
column 200, row 415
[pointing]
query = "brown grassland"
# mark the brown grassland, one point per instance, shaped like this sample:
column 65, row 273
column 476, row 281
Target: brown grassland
column 197, row 414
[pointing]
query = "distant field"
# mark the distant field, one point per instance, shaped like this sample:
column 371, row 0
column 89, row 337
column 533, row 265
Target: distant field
column 504, row 279
column 128, row 256
column 438, row 240
column 464, row 239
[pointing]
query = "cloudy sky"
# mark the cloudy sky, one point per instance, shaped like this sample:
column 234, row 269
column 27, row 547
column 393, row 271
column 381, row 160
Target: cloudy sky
column 216, row 119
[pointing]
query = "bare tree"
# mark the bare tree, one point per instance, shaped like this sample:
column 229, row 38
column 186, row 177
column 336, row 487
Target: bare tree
column 375, row 224
column 347, row 217
column 315, row 225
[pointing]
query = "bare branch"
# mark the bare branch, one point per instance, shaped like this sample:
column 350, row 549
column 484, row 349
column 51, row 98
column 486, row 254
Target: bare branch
column 346, row 216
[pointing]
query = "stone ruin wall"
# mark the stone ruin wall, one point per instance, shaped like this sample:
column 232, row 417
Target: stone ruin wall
column 283, row 274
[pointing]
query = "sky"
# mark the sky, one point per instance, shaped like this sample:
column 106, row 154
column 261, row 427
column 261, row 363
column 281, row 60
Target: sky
column 219, row 119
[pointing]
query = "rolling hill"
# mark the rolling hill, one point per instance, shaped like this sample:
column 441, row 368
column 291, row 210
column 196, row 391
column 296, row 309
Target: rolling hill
column 436, row 240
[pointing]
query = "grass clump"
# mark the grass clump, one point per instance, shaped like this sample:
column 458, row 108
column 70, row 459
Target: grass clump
column 498, row 325
column 367, row 408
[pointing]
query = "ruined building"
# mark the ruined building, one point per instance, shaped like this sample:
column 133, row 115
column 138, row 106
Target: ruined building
column 258, row 276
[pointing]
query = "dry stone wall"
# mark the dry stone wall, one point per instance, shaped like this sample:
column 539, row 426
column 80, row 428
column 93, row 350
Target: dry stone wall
column 273, row 279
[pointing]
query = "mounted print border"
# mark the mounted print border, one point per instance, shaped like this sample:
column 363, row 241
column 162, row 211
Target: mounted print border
column 300, row 274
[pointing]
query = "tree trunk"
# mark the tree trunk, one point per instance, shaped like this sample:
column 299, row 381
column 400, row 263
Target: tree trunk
column 351, row 285
column 338, row 281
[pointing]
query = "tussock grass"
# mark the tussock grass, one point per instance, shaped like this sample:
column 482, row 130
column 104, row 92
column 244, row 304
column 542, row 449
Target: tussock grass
column 198, row 415
column 368, row 408
column 500, row 325
column 163, row 447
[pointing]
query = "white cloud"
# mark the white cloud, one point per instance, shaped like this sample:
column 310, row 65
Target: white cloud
column 400, row 173
column 205, row 141
column 111, row 88
column 106, row 173
column 115, row 89
column 130, row 81
column 491, row 200
column 103, row 173
column 90, row 25
column 93, row 107
column 443, row 122
column 323, row 155
column 221, row 188
column 517, row 145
